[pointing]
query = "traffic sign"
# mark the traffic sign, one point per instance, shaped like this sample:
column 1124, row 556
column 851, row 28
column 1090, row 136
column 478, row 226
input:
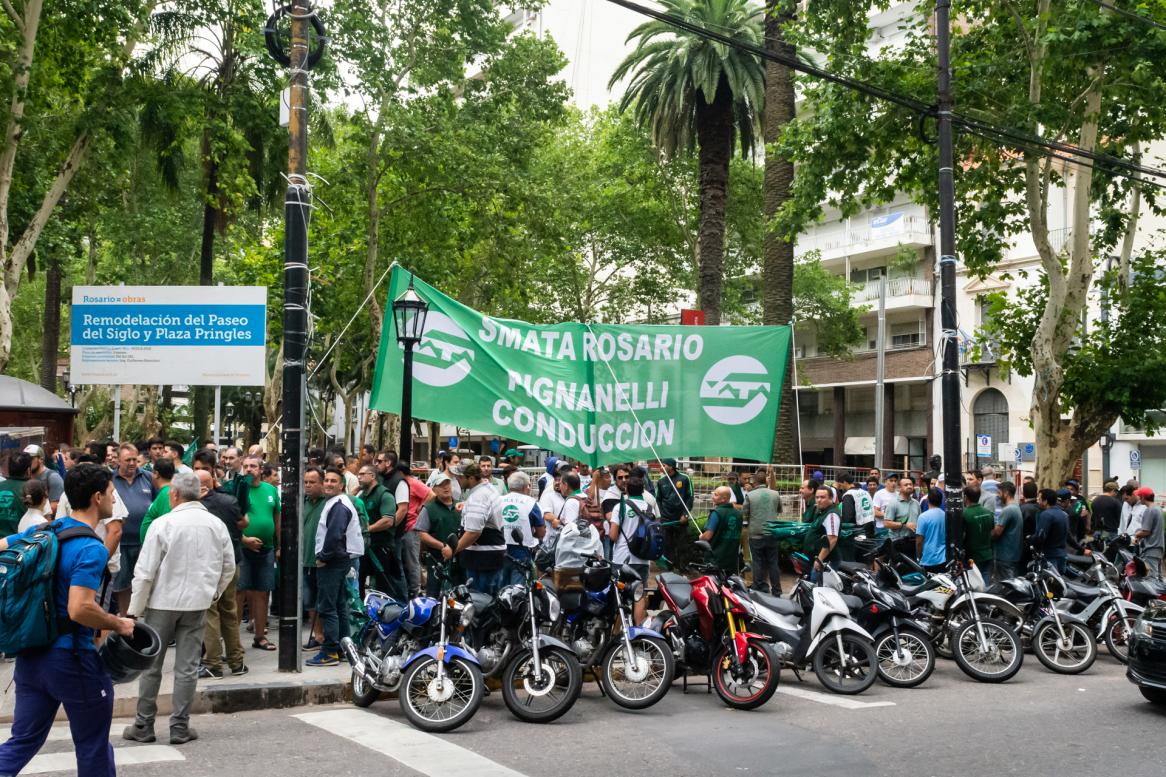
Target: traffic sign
column 1135, row 459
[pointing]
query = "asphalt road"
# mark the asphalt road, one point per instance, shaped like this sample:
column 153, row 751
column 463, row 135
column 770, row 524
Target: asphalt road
column 1037, row 724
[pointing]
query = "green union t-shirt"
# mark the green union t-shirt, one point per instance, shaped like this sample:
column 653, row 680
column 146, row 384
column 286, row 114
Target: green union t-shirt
column 261, row 513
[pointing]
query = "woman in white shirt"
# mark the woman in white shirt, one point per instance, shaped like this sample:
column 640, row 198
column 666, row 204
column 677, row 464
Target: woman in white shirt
column 36, row 500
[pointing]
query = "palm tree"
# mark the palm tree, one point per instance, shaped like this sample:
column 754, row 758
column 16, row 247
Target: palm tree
column 696, row 94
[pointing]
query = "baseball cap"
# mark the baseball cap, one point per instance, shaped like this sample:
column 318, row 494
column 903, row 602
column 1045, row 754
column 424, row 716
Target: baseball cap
column 441, row 478
column 669, row 463
column 1145, row 492
column 1064, row 493
column 468, row 470
column 845, row 477
column 35, row 451
column 1073, row 483
column 551, row 462
column 511, row 452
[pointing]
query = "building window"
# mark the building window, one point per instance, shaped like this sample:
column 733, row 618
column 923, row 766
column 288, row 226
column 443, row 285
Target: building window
column 909, row 335
column 867, row 274
column 990, row 417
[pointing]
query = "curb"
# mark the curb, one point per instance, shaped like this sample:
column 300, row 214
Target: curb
column 211, row 698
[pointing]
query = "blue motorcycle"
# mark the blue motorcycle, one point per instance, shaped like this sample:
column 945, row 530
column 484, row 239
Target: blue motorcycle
column 635, row 664
column 414, row 649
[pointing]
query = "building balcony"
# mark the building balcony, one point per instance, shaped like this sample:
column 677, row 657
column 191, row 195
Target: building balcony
column 904, row 363
column 865, row 237
column 902, row 293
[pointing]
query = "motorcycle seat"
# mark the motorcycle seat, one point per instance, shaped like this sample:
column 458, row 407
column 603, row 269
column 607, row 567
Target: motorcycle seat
column 390, row 612
column 480, row 601
column 1083, row 591
column 776, row 603
column 853, row 566
column 912, row 590
column 1082, row 560
column 678, row 588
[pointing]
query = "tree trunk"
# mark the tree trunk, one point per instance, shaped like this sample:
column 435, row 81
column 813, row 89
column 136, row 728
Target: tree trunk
column 51, row 338
column 777, row 264
column 714, row 132
column 372, row 249
column 272, row 404
column 211, row 218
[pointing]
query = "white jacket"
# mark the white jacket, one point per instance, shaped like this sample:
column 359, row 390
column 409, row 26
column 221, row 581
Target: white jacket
column 333, row 540
column 186, row 563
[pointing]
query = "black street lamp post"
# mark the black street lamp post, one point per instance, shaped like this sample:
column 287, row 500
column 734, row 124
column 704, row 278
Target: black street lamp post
column 409, row 312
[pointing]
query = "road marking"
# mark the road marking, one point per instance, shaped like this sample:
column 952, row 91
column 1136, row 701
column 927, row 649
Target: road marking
column 123, row 756
column 415, row 749
column 838, row 701
column 60, row 731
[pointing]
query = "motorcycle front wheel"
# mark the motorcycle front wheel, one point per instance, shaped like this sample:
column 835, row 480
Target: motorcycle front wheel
column 638, row 684
column 995, row 663
column 1073, row 654
column 751, row 685
column 363, row 691
column 1117, row 636
column 541, row 698
column 435, row 707
column 906, row 662
column 845, row 663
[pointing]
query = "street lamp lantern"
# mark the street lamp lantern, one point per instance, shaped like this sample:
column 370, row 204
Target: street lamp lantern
column 409, row 312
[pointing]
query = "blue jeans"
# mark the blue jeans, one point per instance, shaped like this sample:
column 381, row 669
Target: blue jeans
column 516, row 572
column 44, row 681
column 486, row 581
column 332, row 602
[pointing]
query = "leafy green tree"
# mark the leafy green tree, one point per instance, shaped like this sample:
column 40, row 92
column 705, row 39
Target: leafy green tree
column 1068, row 71
column 695, row 94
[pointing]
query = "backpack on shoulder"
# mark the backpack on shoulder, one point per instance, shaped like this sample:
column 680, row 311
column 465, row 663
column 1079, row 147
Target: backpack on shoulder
column 647, row 541
column 28, row 568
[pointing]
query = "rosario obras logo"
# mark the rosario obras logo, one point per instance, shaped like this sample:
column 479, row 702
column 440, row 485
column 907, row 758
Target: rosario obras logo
column 510, row 513
column 735, row 390
column 444, row 355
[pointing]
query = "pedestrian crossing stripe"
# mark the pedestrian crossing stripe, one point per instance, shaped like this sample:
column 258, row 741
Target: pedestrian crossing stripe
column 47, row 763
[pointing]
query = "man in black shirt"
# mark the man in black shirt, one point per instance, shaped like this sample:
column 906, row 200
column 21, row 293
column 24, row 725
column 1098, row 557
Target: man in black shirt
column 1029, row 510
column 1107, row 511
column 222, row 619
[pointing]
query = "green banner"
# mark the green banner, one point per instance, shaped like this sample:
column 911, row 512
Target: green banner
column 598, row 393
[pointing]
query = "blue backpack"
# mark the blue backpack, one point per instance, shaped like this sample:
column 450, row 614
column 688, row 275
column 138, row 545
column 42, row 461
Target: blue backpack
column 647, row 541
column 28, row 567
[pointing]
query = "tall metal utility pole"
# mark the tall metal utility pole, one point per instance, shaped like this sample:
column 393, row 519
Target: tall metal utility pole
column 297, row 205
column 950, row 383
column 881, row 380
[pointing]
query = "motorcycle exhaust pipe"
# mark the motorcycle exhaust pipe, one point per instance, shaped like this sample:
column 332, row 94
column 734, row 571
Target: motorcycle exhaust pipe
column 349, row 648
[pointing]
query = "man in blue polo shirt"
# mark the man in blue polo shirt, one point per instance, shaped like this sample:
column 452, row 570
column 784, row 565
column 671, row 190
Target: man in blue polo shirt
column 931, row 533
column 70, row 673
column 136, row 491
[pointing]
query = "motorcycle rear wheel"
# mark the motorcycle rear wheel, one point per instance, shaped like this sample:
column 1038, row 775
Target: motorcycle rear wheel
column 1117, row 636
column 436, row 716
column 757, row 681
column 918, row 652
column 849, row 669
column 655, row 662
column 541, row 700
column 1003, row 658
column 364, row 693
column 1075, row 658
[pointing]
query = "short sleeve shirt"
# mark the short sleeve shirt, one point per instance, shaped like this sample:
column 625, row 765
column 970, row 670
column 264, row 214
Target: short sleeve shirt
column 628, row 522
column 264, row 504
column 55, row 484
column 1006, row 547
column 764, row 505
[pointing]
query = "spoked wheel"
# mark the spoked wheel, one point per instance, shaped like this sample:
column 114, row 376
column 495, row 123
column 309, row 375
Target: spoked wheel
column 906, row 662
column 541, row 698
column 441, row 706
column 752, row 683
column 363, row 692
column 1117, row 637
column 994, row 660
column 639, row 683
column 1072, row 653
column 845, row 663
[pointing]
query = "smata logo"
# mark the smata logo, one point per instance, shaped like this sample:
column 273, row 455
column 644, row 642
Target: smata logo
column 735, row 389
column 510, row 513
column 444, row 355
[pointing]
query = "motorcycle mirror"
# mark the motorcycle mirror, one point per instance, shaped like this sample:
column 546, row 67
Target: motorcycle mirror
column 516, row 535
column 703, row 546
column 451, row 540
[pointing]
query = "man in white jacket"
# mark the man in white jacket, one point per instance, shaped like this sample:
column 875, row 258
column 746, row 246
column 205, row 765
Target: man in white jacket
column 338, row 541
column 186, row 563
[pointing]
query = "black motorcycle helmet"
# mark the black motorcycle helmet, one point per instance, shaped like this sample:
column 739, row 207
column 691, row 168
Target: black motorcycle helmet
column 596, row 575
column 127, row 657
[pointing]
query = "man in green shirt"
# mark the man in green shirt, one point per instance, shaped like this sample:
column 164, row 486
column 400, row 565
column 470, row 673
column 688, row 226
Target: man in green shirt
column 486, row 464
column 825, row 523
column 902, row 514
column 978, row 523
column 313, row 507
column 12, row 505
column 1007, row 534
column 437, row 520
column 763, row 506
column 257, row 571
column 809, row 488
column 163, row 472
column 380, row 553
column 723, row 531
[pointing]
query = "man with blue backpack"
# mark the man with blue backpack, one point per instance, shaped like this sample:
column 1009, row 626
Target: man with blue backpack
column 637, row 537
column 57, row 662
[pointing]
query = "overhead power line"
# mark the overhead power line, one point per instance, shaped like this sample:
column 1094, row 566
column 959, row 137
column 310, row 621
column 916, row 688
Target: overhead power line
column 1004, row 136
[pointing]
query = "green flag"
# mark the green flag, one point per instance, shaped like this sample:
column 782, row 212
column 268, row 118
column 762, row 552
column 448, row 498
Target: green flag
column 596, row 392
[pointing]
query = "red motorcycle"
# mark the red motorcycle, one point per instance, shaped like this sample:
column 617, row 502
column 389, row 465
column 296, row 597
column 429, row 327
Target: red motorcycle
column 707, row 627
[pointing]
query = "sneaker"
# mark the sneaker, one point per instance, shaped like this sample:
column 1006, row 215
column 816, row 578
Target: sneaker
column 136, row 733
column 180, row 736
column 207, row 673
column 324, row 658
column 312, row 644
column 239, row 671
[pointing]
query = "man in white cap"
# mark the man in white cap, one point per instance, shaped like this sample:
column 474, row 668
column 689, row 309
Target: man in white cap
column 51, row 478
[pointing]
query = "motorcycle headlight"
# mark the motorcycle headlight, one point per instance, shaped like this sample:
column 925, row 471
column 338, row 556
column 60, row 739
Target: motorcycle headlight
column 553, row 607
column 636, row 590
column 467, row 615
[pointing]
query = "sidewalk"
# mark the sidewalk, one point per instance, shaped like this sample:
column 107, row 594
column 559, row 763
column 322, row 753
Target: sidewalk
column 264, row 687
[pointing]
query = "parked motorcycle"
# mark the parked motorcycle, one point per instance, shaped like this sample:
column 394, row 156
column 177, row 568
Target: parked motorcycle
column 1063, row 642
column 405, row 648
column 635, row 664
column 814, row 627
column 540, row 674
column 1096, row 599
column 711, row 633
